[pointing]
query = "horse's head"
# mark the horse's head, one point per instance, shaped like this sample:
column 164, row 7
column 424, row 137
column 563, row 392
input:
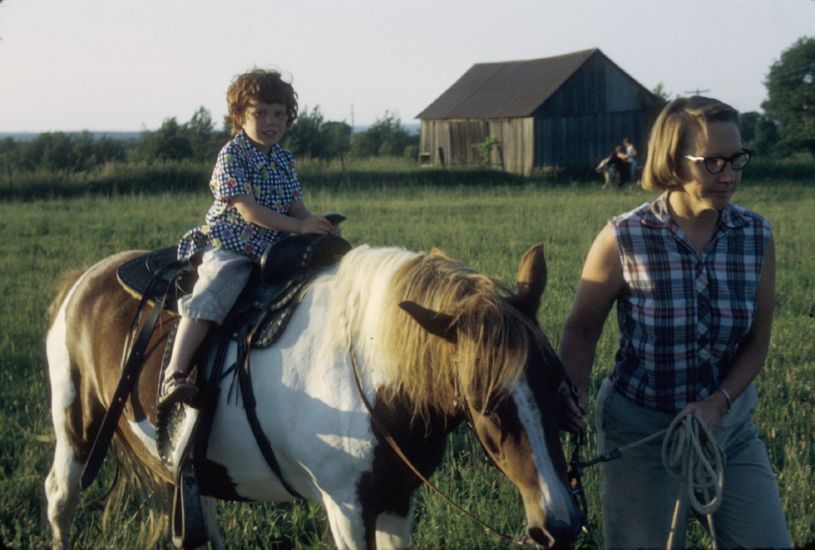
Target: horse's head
column 516, row 417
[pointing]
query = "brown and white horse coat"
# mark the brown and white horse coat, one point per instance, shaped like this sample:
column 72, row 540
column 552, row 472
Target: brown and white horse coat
column 467, row 352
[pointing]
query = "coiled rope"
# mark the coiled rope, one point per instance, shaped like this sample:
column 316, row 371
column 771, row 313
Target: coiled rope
column 691, row 455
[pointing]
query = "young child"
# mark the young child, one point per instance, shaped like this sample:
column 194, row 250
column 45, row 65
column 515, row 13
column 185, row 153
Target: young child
column 258, row 199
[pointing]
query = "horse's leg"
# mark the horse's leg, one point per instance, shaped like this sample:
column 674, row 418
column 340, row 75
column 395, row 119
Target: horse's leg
column 393, row 530
column 347, row 526
column 62, row 483
column 62, row 491
column 210, row 509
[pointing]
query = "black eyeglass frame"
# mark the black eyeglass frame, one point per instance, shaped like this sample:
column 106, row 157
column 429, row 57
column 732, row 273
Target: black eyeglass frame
column 725, row 161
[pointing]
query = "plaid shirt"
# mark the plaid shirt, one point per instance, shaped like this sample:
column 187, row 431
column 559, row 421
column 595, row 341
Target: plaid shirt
column 683, row 314
column 242, row 169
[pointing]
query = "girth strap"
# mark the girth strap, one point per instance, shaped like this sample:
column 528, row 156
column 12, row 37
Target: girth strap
column 244, row 376
column 130, row 371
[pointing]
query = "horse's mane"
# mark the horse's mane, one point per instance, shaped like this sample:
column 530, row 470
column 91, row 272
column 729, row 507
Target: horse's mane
column 402, row 357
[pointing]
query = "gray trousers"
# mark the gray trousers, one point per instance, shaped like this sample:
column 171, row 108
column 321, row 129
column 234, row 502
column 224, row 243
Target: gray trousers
column 639, row 494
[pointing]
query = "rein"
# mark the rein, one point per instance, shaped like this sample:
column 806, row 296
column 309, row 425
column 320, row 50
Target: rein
column 383, row 430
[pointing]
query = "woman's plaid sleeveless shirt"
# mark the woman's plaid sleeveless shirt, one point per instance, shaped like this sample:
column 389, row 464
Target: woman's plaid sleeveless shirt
column 683, row 314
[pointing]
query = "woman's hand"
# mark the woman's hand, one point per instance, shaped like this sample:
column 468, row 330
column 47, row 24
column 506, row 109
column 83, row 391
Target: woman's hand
column 573, row 407
column 710, row 411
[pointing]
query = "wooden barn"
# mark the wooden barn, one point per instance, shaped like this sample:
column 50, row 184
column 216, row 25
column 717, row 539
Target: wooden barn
column 567, row 111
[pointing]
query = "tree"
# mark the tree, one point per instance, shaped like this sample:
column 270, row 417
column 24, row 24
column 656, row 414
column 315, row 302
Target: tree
column 791, row 97
column 758, row 132
column 84, row 152
column 337, row 136
column 661, row 92
column 386, row 136
column 166, row 143
column 765, row 137
column 313, row 136
column 198, row 132
column 8, row 156
column 108, row 150
column 747, row 125
column 49, row 151
column 304, row 138
column 485, row 149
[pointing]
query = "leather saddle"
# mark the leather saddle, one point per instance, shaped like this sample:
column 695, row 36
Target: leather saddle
column 272, row 291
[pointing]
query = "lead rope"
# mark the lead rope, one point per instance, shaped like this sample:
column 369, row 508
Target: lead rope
column 696, row 465
column 383, row 430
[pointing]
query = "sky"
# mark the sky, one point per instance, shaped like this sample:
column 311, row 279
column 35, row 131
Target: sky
column 111, row 65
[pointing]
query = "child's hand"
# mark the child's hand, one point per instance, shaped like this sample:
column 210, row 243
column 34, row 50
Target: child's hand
column 317, row 225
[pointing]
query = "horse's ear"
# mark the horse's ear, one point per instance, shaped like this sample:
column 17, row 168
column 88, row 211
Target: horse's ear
column 434, row 322
column 531, row 280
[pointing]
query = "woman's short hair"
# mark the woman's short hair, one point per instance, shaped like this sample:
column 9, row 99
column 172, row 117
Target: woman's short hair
column 679, row 121
column 260, row 85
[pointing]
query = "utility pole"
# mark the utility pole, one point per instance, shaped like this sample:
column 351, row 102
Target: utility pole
column 352, row 118
column 697, row 91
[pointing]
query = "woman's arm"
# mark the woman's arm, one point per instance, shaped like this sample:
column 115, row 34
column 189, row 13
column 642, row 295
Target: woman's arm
column 752, row 352
column 600, row 283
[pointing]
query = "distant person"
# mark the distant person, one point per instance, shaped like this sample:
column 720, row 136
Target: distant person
column 258, row 199
column 693, row 279
column 631, row 159
column 622, row 164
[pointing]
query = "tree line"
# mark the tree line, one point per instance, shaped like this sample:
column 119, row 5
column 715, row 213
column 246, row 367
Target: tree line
column 786, row 128
column 198, row 140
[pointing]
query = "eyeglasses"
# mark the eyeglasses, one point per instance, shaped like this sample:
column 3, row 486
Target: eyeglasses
column 715, row 165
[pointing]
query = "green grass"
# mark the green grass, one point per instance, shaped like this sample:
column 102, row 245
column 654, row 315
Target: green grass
column 488, row 227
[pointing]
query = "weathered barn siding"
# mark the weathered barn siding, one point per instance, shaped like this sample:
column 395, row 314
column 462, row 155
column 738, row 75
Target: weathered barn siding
column 514, row 151
column 566, row 111
column 449, row 142
column 452, row 142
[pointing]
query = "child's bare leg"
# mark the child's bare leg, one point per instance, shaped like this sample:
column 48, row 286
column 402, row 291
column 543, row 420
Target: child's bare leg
column 191, row 332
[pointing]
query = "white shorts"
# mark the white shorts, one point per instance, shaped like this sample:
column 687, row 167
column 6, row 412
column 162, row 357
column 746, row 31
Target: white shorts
column 222, row 276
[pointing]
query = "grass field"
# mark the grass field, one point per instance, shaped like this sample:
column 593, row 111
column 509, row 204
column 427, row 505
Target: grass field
column 488, row 228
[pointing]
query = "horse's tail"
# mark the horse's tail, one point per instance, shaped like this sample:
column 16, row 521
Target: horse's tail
column 137, row 486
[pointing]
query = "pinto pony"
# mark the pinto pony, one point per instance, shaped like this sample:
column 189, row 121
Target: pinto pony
column 434, row 344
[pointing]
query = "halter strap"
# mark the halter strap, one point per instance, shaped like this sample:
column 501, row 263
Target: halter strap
column 244, row 376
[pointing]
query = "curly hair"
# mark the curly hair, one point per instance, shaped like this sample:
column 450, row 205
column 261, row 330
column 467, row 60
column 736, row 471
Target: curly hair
column 261, row 85
column 679, row 121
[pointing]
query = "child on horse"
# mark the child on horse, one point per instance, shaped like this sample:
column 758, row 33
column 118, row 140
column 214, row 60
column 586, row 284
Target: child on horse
column 258, row 199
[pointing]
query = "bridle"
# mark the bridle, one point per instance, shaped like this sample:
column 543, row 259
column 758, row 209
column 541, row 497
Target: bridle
column 575, row 481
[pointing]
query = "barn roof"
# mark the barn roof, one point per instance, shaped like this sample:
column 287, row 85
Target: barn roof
column 506, row 89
